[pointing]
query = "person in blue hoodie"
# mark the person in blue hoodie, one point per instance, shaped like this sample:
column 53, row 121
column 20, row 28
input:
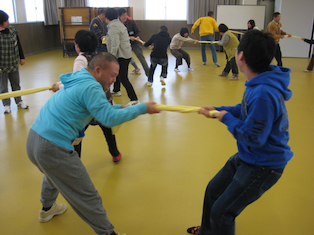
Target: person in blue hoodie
column 55, row 131
column 261, row 127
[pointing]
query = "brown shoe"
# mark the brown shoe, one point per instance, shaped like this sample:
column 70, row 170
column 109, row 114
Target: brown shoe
column 222, row 75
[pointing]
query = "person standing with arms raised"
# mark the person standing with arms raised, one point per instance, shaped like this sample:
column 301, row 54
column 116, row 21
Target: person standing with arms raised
column 208, row 26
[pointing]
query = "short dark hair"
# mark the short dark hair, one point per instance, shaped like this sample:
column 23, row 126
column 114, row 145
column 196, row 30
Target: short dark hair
column 183, row 31
column 252, row 23
column 121, row 11
column 258, row 49
column 102, row 11
column 210, row 13
column 3, row 17
column 111, row 14
column 86, row 40
column 223, row 28
column 276, row 14
column 163, row 29
column 103, row 60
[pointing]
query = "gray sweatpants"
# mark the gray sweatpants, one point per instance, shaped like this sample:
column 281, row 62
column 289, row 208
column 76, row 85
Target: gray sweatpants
column 14, row 79
column 65, row 173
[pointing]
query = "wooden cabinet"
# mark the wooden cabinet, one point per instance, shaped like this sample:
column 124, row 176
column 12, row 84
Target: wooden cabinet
column 73, row 19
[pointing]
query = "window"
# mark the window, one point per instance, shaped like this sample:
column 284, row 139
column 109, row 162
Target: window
column 108, row 3
column 34, row 10
column 166, row 10
column 7, row 7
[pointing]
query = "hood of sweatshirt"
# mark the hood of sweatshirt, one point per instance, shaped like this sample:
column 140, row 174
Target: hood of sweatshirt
column 70, row 79
column 277, row 77
column 164, row 34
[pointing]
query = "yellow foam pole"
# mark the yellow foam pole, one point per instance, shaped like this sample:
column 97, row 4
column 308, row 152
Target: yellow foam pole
column 236, row 32
column 183, row 109
column 173, row 108
column 293, row 37
column 208, row 42
column 23, row 92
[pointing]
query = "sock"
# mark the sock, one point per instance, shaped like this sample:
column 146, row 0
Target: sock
column 46, row 208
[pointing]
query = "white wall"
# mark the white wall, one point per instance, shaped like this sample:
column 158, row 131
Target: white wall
column 138, row 9
column 296, row 19
column 20, row 11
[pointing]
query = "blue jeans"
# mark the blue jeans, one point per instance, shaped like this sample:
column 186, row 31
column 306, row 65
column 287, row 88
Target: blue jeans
column 101, row 49
column 164, row 68
column 212, row 47
column 235, row 186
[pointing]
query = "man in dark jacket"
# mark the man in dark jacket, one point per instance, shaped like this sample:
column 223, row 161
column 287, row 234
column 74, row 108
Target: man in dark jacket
column 159, row 55
column 98, row 25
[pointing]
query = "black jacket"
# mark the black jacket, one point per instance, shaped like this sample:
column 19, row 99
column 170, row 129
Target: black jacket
column 161, row 42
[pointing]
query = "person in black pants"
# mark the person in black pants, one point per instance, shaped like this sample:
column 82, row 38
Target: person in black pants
column 275, row 28
column 118, row 44
column 159, row 55
column 309, row 68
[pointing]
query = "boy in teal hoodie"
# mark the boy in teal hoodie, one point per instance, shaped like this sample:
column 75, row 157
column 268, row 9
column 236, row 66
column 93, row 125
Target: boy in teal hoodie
column 261, row 127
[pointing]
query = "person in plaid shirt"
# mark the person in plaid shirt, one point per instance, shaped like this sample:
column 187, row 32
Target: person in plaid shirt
column 11, row 54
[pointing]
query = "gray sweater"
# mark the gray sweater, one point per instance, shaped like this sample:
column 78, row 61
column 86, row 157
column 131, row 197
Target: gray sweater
column 118, row 41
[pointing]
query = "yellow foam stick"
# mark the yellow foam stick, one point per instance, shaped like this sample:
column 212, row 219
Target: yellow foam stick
column 183, row 109
column 23, row 92
column 236, row 32
column 173, row 108
column 104, row 41
column 208, row 42
column 140, row 41
column 293, row 36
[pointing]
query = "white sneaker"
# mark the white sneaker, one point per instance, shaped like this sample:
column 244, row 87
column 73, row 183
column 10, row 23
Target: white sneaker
column 149, row 84
column 162, row 80
column 21, row 105
column 204, row 63
column 56, row 209
column 136, row 72
column 118, row 93
column 7, row 109
column 308, row 71
column 133, row 102
column 218, row 65
column 190, row 69
column 176, row 70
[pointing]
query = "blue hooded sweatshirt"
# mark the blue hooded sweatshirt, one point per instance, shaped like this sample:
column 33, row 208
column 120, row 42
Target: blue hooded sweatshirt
column 260, row 123
column 64, row 116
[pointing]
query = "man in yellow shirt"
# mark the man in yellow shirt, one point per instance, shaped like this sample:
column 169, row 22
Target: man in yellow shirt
column 275, row 28
column 208, row 26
